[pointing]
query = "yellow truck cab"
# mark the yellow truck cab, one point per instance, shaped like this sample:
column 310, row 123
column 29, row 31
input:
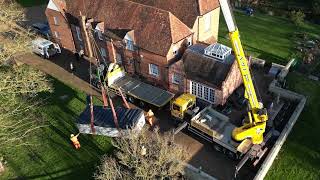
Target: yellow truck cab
column 181, row 104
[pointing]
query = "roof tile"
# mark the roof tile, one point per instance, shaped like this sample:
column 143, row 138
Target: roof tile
column 155, row 29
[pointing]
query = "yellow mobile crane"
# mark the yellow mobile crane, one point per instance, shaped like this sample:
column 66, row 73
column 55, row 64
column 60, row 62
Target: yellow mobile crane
column 257, row 114
column 254, row 128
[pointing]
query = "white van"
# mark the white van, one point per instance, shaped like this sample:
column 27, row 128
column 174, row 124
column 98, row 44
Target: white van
column 45, row 48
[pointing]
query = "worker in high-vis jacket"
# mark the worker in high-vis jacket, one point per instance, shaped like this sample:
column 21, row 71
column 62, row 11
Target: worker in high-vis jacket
column 149, row 117
column 75, row 141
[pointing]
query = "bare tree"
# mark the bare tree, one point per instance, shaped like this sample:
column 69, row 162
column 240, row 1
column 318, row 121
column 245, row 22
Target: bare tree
column 143, row 155
column 18, row 84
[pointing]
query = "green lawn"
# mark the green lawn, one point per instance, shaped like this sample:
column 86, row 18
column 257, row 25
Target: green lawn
column 266, row 37
column 300, row 155
column 29, row 3
column 54, row 156
column 270, row 38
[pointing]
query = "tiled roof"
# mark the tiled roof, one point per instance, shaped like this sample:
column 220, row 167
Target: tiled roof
column 155, row 29
column 186, row 10
column 204, row 69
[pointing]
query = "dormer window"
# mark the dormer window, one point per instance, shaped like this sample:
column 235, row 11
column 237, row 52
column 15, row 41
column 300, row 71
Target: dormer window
column 129, row 42
column 99, row 30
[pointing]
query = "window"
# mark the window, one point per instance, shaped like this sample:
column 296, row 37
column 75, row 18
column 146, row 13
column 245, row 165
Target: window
column 176, row 107
column 99, row 33
column 207, row 22
column 211, row 95
column 55, row 20
column 129, row 45
column 78, row 33
column 201, row 91
column 103, row 53
column 206, row 93
column 154, row 70
column 176, row 78
column 56, row 34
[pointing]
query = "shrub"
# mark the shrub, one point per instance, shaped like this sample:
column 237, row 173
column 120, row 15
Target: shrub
column 297, row 17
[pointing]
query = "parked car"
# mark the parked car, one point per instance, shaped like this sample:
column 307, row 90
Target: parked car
column 42, row 29
column 45, row 48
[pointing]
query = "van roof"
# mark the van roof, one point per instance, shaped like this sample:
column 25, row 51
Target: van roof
column 41, row 42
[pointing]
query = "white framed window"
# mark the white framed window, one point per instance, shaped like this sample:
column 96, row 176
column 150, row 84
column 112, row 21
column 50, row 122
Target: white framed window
column 129, row 42
column 154, row 70
column 176, row 78
column 207, row 22
column 202, row 91
column 103, row 53
column 55, row 20
column 56, row 34
column 78, row 33
column 129, row 45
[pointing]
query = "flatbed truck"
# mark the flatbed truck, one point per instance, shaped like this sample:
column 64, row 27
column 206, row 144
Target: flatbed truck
column 216, row 128
column 133, row 89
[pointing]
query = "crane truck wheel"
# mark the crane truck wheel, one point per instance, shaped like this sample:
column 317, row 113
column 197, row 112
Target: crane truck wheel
column 231, row 155
column 142, row 104
column 218, row 148
column 131, row 99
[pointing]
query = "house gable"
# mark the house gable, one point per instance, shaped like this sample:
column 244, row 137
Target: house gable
column 52, row 6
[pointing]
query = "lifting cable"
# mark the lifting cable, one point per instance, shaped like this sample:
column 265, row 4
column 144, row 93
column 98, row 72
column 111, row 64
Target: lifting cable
column 91, row 104
column 90, row 72
column 115, row 118
column 102, row 84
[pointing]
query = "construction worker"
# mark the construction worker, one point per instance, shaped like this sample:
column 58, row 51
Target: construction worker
column 149, row 117
column 75, row 141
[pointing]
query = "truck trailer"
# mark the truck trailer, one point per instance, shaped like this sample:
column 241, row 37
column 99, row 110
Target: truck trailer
column 134, row 90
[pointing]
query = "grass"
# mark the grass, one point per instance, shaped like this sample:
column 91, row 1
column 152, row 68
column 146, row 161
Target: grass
column 299, row 158
column 267, row 37
column 29, row 3
column 270, row 38
column 54, row 157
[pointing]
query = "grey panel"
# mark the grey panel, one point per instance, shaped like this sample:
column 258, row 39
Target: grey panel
column 143, row 91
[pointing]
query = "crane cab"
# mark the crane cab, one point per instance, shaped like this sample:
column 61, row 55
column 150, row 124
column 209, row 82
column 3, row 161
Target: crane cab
column 181, row 105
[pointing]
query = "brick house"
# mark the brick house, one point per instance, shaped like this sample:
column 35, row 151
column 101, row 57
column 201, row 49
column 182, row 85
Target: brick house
column 209, row 72
column 149, row 38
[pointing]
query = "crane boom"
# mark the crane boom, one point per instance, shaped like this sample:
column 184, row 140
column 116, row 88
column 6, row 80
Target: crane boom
column 257, row 114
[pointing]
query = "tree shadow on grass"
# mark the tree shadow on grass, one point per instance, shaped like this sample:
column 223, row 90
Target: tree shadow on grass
column 56, row 151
